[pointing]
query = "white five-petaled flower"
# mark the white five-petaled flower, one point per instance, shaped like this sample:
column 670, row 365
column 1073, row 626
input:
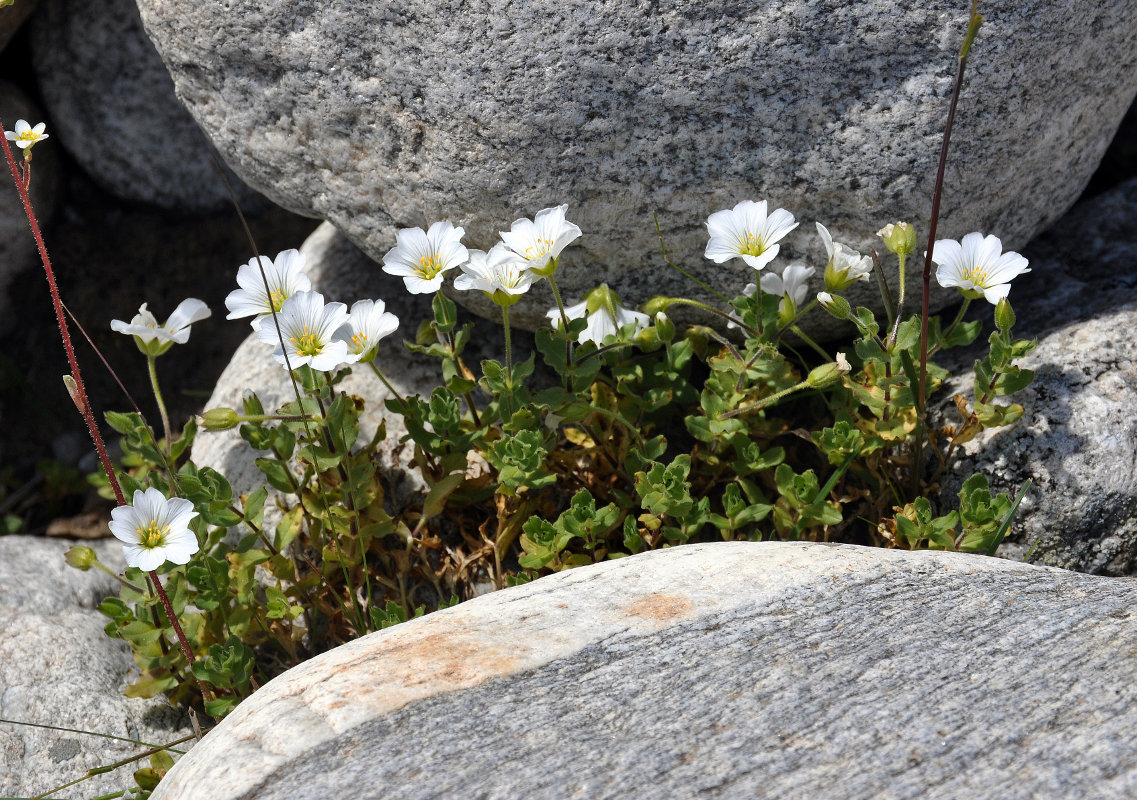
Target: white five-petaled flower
column 540, row 240
column 792, row 285
column 154, row 530
column 747, row 232
column 500, row 273
column 155, row 339
column 368, row 323
column 978, row 266
column 309, row 328
column 285, row 276
column 420, row 257
column 605, row 315
column 25, row 135
column 845, row 266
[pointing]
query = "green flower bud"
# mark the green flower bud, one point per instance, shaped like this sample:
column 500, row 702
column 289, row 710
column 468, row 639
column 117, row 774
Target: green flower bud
column 648, row 340
column 1004, row 315
column 899, row 237
column 655, row 305
column 81, row 557
column 829, row 374
column 835, row 304
column 218, row 419
column 664, row 327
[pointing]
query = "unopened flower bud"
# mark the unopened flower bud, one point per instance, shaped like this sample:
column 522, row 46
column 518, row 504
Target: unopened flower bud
column 664, row 327
column 648, row 340
column 899, row 237
column 218, row 419
column 1004, row 315
column 655, row 305
column 828, row 374
column 835, row 304
column 81, row 557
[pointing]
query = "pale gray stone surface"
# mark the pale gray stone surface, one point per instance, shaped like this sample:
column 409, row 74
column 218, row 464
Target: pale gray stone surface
column 1077, row 440
column 17, row 246
column 381, row 115
column 113, row 107
column 735, row 670
column 57, row 667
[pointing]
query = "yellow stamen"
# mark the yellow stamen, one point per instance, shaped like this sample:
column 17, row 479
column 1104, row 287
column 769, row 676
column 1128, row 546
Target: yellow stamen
column 307, row 344
column 976, row 275
column 429, row 266
column 152, row 535
column 539, row 249
column 750, row 245
column 276, row 298
column 359, row 340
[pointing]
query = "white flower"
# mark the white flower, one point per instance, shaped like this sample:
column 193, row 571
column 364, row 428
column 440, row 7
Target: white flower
column 792, row 284
column 155, row 339
column 285, row 277
column 746, row 232
column 843, row 363
column 978, row 266
column 309, row 330
column 420, row 257
column 605, row 315
column 154, row 530
column 540, row 240
column 500, row 273
column 368, row 323
column 845, row 266
column 25, row 135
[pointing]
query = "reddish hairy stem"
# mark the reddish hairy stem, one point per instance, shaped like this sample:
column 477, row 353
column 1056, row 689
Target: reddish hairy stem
column 81, row 390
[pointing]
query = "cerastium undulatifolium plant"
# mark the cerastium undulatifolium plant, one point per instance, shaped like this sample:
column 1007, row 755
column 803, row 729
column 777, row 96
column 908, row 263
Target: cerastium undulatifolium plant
column 650, row 435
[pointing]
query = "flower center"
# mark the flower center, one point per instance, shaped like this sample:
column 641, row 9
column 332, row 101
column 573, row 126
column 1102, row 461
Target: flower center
column 429, row 266
column 359, row 341
column 276, row 298
column 977, row 276
column 539, row 248
column 27, row 136
column 750, row 245
column 151, row 535
column 307, row 343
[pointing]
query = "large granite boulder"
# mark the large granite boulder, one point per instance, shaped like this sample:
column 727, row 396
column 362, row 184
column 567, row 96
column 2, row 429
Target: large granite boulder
column 383, row 115
column 113, row 107
column 735, row 670
column 58, row 668
column 1077, row 440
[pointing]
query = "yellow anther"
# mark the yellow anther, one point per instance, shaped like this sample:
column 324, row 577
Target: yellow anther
column 276, row 298
column 429, row 266
column 750, row 245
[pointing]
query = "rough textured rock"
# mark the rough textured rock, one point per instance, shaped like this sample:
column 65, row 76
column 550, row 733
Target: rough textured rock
column 725, row 671
column 113, row 107
column 57, row 667
column 402, row 113
column 337, row 268
column 17, row 247
column 1077, row 439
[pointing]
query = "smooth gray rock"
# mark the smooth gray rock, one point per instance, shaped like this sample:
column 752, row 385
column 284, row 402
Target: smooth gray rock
column 735, row 670
column 57, row 667
column 1077, row 440
column 113, row 107
column 18, row 252
column 397, row 114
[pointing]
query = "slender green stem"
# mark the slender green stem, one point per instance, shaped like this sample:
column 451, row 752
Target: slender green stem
column 394, row 392
column 120, row 579
column 730, row 317
column 508, row 347
column 100, row 735
column 161, row 403
column 560, row 303
column 667, row 260
column 951, row 328
column 758, row 405
column 816, row 347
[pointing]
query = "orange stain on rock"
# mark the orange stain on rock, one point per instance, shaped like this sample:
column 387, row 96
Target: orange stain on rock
column 660, row 607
